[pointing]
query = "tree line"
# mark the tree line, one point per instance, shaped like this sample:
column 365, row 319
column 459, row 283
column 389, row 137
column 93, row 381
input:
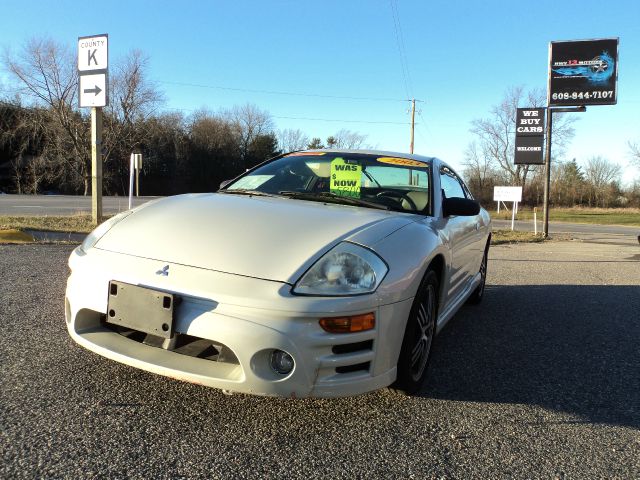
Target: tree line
column 45, row 137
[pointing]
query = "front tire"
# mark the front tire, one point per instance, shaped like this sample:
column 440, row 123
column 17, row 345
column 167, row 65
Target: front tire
column 418, row 337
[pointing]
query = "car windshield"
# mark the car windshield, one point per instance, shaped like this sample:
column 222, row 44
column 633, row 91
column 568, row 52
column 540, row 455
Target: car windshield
column 366, row 180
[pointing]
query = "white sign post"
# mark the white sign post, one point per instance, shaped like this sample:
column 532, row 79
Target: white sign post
column 93, row 92
column 508, row 194
column 135, row 164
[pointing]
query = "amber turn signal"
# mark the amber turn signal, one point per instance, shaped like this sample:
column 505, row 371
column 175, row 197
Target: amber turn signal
column 350, row 324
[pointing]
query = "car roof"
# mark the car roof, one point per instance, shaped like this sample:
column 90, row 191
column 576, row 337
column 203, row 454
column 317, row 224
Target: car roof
column 384, row 153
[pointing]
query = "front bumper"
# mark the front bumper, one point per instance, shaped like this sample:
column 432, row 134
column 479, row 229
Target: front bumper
column 251, row 317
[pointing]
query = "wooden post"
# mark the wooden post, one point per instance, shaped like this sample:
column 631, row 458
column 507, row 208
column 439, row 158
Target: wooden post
column 96, row 165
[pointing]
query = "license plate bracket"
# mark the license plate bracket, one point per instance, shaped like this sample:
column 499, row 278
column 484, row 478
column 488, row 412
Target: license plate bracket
column 140, row 308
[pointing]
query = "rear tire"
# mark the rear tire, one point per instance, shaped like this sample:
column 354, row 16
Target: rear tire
column 418, row 337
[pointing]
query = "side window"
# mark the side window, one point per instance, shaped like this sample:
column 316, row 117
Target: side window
column 451, row 186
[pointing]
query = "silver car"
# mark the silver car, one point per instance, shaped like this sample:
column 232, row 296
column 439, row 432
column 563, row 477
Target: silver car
column 318, row 273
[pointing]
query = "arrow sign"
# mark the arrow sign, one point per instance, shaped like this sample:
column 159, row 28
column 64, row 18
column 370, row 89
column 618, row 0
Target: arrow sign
column 93, row 90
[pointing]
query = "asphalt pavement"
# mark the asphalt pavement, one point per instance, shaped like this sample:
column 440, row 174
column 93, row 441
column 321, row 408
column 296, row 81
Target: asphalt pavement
column 542, row 380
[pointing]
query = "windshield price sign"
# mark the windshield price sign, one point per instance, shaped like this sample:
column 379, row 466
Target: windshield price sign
column 583, row 72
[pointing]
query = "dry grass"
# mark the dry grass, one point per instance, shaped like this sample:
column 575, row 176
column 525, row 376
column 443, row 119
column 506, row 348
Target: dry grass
column 596, row 216
column 72, row 223
column 14, row 236
column 499, row 237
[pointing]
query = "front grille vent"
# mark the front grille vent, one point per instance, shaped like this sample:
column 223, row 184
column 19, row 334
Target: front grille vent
column 180, row 343
column 354, row 368
column 352, row 347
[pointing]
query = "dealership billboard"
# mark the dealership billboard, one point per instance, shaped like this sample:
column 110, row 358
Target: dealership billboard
column 583, row 72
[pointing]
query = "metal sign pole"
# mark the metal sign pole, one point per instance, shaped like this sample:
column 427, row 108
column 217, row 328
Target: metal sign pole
column 547, row 174
column 137, row 181
column 96, row 165
column 131, row 167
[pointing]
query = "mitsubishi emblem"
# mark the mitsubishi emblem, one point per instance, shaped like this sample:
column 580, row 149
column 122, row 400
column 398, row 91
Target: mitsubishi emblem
column 164, row 271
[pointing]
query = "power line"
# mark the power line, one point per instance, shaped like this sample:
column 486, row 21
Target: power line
column 345, row 121
column 276, row 92
column 380, row 122
column 404, row 64
column 424, row 124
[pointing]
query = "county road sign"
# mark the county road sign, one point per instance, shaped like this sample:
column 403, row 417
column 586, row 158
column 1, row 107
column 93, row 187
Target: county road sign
column 93, row 53
column 93, row 63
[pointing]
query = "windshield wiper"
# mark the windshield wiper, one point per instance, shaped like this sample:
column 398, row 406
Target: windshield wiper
column 246, row 191
column 330, row 196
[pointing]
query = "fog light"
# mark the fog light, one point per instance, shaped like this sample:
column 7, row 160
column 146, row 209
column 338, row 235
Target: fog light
column 281, row 362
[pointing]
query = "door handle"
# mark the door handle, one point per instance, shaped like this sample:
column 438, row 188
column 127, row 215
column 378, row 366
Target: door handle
column 477, row 226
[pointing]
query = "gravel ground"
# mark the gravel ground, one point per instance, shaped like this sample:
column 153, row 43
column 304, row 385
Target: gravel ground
column 541, row 381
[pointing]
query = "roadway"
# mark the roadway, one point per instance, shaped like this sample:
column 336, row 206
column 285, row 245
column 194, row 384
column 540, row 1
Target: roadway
column 23, row 205
column 564, row 227
column 55, row 205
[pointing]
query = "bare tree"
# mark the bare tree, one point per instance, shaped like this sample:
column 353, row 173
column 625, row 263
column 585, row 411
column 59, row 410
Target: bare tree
column 496, row 134
column 46, row 73
column 346, row 139
column 133, row 99
column 479, row 171
column 634, row 153
column 249, row 122
column 600, row 174
column 315, row 144
column 290, row 140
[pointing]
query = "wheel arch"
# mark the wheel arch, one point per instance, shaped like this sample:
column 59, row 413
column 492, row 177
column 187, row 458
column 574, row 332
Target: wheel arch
column 438, row 265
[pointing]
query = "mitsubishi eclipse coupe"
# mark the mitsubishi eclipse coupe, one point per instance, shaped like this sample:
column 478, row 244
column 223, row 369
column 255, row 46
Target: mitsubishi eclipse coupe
column 315, row 274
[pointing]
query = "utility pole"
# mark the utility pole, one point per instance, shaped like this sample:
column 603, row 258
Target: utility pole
column 413, row 122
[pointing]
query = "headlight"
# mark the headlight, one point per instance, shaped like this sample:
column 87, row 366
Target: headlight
column 101, row 229
column 347, row 269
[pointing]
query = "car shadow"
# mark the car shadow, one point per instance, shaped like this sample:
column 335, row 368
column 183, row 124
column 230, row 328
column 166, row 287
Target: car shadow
column 571, row 348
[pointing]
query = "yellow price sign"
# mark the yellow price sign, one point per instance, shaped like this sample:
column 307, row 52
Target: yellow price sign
column 345, row 178
column 403, row 162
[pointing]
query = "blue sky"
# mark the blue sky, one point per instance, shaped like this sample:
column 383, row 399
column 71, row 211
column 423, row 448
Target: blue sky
column 461, row 56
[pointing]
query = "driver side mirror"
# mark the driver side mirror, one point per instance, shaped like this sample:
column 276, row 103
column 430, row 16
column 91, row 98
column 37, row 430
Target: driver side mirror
column 224, row 183
column 463, row 207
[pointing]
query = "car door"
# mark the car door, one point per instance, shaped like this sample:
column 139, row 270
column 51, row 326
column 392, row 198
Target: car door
column 462, row 234
column 477, row 250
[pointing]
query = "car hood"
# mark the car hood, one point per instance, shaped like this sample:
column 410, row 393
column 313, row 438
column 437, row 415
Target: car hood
column 262, row 237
